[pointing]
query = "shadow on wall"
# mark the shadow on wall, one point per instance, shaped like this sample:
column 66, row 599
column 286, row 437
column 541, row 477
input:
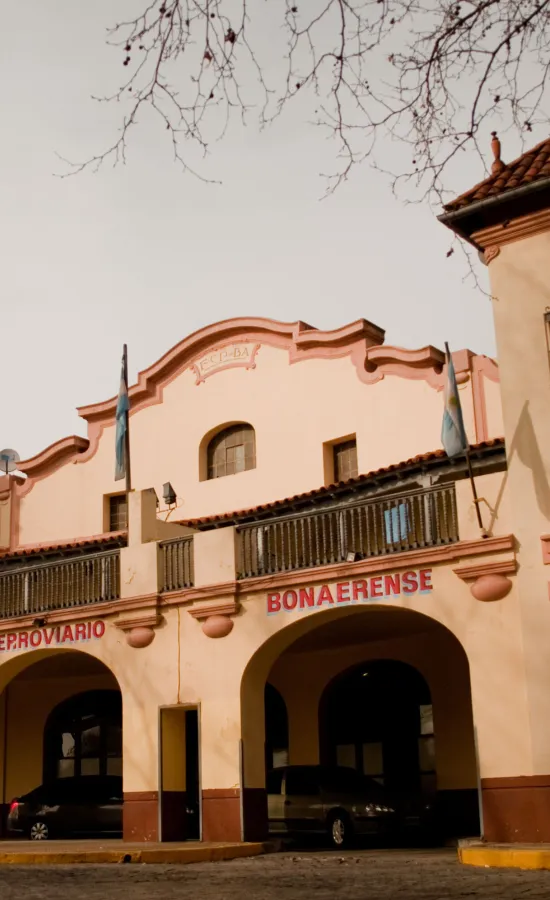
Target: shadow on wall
column 525, row 444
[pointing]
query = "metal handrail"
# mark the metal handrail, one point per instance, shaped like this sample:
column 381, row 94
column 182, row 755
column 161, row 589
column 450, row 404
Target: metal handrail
column 177, row 563
column 60, row 584
column 382, row 525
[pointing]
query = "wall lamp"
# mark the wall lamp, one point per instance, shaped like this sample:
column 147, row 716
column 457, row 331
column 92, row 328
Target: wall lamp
column 169, row 494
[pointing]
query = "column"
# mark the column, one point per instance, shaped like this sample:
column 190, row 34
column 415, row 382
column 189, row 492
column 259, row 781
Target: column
column 140, row 760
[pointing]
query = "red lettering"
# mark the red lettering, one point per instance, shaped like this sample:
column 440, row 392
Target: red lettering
column 306, row 597
column 48, row 640
column 23, row 639
column 36, row 638
column 392, row 585
column 2, row 642
column 290, row 599
column 376, row 586
column 273, row 604
column 409, row 582
column 98, row 629
column 80, row 632
column 89, row 629
column 58, row 635
column 324, row 595
column 12, row 640
column 342, row 592
column 360, row 590
column 426, row 580
column 67, row 634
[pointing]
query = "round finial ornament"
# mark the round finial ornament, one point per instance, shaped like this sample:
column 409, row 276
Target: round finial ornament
column 217, row 626
column 488, row 588
column 140, row 637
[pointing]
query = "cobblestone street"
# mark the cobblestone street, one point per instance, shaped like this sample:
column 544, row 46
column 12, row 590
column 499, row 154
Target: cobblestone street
column 376, row 875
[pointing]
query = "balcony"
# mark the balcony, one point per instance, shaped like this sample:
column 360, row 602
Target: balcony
column 177, row 563
column 361, row 530
column 31, row 588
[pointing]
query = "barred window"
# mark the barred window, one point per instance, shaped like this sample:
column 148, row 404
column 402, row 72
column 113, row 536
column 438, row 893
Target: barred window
column 118, row 513
column 345, row 460
column 232, row 450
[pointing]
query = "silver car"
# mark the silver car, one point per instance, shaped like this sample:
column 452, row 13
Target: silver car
column 334, row 801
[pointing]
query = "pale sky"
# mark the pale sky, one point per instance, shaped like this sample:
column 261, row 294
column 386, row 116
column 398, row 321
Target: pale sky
column 143, row 254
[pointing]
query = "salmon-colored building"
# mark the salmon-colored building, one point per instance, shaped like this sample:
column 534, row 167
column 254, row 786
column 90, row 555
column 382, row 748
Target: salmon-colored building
column 298, row 575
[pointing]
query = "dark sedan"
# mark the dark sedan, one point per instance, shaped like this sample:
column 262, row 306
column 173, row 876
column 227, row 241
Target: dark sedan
column 69, row 807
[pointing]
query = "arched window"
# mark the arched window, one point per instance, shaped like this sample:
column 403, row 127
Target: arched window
column 232, row 450
column 83, row 736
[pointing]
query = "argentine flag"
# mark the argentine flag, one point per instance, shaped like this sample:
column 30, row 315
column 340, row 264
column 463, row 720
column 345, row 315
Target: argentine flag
column 453, row 433
column 121, row 419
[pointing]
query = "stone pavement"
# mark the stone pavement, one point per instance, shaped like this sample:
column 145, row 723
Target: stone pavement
column 300, row 875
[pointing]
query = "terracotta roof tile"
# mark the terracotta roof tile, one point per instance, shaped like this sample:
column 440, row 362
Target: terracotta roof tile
column 534, row 165
column 322, row 491
column 36, row 549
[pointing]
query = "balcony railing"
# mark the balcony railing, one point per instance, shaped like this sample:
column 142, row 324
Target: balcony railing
column 361, row 530
column 177, row 563
column 30, row 589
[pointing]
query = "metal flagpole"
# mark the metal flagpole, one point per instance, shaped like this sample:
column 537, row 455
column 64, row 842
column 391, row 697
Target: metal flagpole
column 474, row 492
column 127, row 434
column 466, row 445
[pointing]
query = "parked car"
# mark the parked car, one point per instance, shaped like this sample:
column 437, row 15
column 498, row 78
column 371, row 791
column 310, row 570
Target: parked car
column 334, row 801
column 68, row 807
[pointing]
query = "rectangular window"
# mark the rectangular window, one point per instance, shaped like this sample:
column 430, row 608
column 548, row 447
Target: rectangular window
column 345, row 460
column 118, row 513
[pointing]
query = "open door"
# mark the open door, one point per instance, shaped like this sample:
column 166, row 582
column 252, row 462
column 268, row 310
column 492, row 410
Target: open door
column 180, row 784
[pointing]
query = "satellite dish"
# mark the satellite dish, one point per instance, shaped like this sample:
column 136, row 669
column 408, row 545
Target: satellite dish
column 8, row 461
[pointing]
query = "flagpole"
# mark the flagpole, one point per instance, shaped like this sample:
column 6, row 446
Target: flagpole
column 466, row 446
column 474, row 492
column 127, row 434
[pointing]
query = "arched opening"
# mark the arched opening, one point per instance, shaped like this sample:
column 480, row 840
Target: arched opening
column 382, row 690
column 276, row 728
column 61, row 740
column 377, row 718
column 83, row 736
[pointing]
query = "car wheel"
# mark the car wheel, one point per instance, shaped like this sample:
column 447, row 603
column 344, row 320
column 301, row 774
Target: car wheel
column 39, row 831
column 339, row 831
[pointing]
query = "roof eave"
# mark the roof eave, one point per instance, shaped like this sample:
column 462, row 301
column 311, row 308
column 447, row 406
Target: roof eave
column 489, row 211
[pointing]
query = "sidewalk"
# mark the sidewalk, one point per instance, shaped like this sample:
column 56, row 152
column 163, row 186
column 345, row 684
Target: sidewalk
column 45, row 853
column 504, row 856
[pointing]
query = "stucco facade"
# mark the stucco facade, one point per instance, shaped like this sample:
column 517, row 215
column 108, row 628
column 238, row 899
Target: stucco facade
column 282, row 575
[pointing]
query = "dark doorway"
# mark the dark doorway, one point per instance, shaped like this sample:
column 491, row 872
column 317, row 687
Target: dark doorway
column 377, row 718
column 180, row 781
column 192, row 779
column 276, row 729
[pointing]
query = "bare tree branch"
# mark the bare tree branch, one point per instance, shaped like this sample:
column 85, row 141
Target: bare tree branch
column 426, row 74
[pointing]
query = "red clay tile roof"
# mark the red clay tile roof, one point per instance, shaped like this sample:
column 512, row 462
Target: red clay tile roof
column 527, row 168
column 320, row 492
column 36, row 549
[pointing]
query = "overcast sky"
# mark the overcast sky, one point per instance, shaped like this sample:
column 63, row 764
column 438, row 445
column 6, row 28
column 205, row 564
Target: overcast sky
column 145, row 254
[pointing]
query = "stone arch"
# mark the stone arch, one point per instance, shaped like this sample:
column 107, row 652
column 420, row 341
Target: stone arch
column 339, row 638
column 32, row 685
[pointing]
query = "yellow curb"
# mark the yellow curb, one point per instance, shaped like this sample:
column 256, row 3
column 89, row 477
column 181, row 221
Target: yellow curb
column 494, row 857
column 179, row 855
